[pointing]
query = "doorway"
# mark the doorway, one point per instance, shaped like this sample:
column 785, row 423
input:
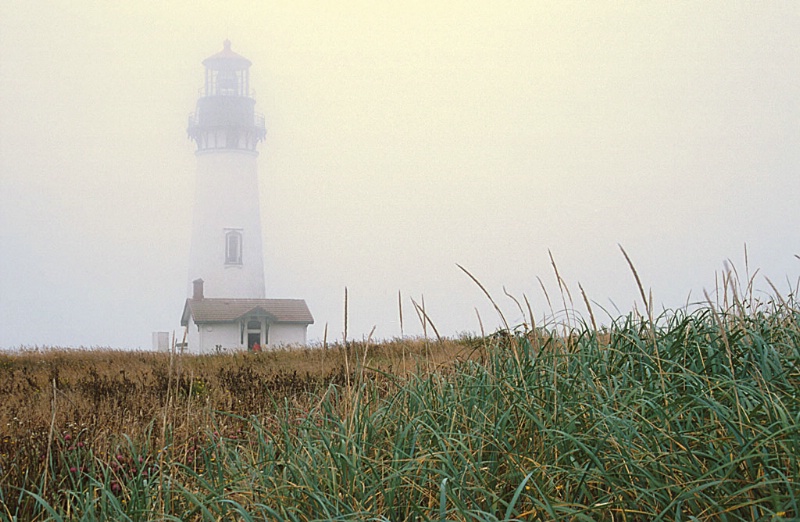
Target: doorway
column 257, row 333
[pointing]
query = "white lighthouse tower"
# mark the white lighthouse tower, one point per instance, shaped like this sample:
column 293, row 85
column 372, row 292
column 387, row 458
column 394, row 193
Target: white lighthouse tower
column 227, row 308
column 226, row 247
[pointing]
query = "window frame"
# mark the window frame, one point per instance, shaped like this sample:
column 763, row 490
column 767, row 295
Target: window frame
column 233, row 252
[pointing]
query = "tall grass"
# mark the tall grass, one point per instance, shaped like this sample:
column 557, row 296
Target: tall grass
column 689, row 415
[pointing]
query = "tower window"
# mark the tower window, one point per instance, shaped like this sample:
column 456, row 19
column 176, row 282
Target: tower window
column 233, row 247
column 226, row 83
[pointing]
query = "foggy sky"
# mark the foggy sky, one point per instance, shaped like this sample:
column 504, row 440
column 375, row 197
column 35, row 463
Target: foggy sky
column 402, row 140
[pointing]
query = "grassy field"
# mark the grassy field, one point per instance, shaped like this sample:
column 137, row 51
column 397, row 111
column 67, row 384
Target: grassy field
column 689, row 415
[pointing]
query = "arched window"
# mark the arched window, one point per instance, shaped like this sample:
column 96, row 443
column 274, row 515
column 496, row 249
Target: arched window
column 233, row 247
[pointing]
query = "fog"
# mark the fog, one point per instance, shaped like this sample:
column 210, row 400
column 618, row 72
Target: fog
column 402, row 140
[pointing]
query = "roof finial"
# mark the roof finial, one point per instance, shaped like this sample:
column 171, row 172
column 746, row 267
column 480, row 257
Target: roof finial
column 227, row 44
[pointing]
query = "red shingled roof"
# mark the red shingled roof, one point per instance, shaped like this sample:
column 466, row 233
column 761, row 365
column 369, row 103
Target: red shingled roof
column 216, row 310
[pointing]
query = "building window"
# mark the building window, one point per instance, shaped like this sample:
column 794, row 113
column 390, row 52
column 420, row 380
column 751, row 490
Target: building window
column 233, row 247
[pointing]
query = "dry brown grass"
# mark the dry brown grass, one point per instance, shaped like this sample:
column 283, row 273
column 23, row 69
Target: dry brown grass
column 97, row 400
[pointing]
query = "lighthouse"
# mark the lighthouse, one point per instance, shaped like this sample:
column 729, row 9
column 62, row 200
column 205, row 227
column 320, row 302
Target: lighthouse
column 226, row 245
column 226, row 308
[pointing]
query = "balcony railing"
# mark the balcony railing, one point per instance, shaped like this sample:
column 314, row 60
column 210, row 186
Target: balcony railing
column 199, row 118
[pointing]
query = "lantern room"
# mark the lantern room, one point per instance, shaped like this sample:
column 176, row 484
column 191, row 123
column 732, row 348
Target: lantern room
column 225, row 117
column 227, row 73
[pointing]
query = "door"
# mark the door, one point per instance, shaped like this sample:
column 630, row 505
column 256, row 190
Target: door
column 254, row 337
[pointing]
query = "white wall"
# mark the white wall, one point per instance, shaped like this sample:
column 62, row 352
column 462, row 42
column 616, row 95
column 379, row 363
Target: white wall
column 192, row 338
column 209, row 336
column 287, row 334
column 228, row 336
column 226, row 197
